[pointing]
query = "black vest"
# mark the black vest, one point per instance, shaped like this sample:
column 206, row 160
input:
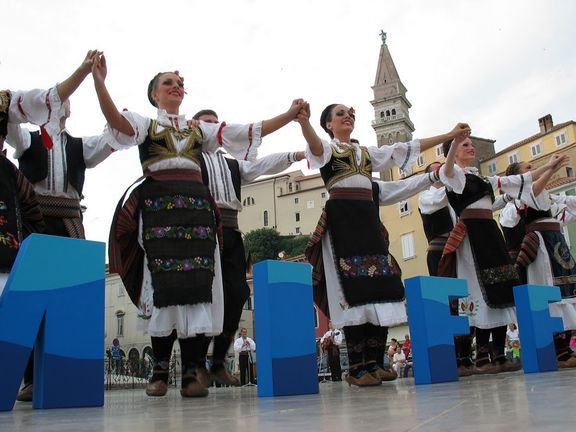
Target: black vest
column 10, row 222
column 475, row 189
column 343, row 164
column 234, row 167
column 437, row 223
column 159, row 145
column 531, row 215
column 34, row 162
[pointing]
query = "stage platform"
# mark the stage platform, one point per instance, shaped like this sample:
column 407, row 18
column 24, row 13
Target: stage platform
column 511, row 402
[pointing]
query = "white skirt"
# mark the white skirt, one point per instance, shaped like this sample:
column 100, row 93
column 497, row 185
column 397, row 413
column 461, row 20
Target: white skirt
column 341, row 314
column 187, row 320
column 474, row 307
column 540, row 273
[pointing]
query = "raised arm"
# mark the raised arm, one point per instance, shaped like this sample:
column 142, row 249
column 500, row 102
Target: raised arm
column 461, row 130
column 541, row 176
column 70, row 84
column 275, row 123
column 114, row 118
column 308, row 131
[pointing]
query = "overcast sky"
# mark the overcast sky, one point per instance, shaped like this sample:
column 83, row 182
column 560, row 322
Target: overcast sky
column 498, row 65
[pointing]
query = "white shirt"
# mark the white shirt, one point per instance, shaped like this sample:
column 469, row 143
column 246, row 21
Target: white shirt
column 244, row 345
column 220, row 178
column 512, row 335
column 94, row 149
column 34, row 106
column 399, row 357
column 392, row 192
column 336, row 336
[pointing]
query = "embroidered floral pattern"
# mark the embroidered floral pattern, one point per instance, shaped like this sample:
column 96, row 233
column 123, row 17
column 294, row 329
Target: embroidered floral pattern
column 494, row 275
column 179, row 233
column 169, row 202
column 9, row 240
column 181, row 265
column 468, row 307
column 364, row 266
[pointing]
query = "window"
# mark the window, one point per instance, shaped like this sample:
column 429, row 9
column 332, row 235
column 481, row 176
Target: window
column 248, row 201
column 407, row 245
column 569, row 172
column 248, row 304
column 120, row 290
column 297, row 216
column 439, row 151
column 404, row 208
column 536, row 149
column 381, row 114
column 420, row 160
column 297, row 230
column 265, row 218
column 561, row 139
column 295, row 200
column 393, row 111
column 289, row 187
column 120, row 323
column 323, row 194
column 513, row 158
column 310, row 204
column 492, row 168
column 297, row 186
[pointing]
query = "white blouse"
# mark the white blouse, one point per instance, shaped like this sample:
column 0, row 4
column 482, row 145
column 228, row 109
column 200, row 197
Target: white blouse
column 401, row 154
column 241, row 141
column 36, row 106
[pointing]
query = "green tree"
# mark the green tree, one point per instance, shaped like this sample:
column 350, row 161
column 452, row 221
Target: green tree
column 262, row 244
column 294, row 245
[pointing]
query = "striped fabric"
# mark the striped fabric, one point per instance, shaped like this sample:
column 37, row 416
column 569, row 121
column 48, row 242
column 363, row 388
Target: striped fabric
column 32, row 218
column 313, row 253
column 528, row 250
column 447, row 266
column 67, row 209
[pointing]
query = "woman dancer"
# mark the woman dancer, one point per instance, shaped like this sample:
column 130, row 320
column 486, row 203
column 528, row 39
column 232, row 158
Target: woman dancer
column 476, row 251
column 355, row 279
column 163, row 240
column 544, row 257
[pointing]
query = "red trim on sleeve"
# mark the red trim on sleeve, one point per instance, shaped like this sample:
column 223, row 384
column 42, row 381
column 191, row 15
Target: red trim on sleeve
column 249, row 141
column 499, row 183
column 563, row 218
column 47, row 101
column 19, row 104
column 219, row 133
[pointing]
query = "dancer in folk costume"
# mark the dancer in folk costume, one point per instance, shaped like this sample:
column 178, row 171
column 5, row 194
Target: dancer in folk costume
column 355, row 279
column 476, row 251
column 543, row 256
column 165, row 235
column 224, row 177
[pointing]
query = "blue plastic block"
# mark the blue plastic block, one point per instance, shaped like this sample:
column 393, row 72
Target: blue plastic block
column 284, row 319
column 537, row 327
column 432, row 328
column 54, row 301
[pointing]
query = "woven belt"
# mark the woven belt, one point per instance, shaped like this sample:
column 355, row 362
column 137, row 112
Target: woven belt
column 229, row 218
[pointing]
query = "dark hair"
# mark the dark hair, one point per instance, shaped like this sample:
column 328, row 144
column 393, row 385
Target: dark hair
column 513, row 168
column 205, row 112
column 152, row 85
column 326, row 117
column 446, row 147
column 429, row 167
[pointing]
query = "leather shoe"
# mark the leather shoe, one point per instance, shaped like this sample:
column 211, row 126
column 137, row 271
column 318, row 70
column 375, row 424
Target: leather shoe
column 203, row 376
column 222, row 376
column 194, row 388
column 156, row 388
column 25, row 394
column 365, row 380
column 488, row 368
column 384, row 375
column 570, row 363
